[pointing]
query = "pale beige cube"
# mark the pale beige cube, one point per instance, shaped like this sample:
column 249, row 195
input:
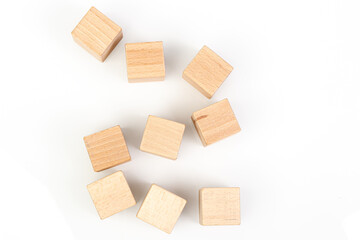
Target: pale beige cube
column 219, row 206
column 162, row 137
column 107, row 148
column 145, row 61
column 207, row 71
column 161, row 208
column 215, row 122
column 97, row 34
column 111, row 194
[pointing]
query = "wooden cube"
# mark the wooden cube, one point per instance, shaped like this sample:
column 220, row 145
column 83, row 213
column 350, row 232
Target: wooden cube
column 162, row 137
column 161, row 208
column 215, row 122
column 111, row 194
column 107, row 148
column 97, row 34
column 219, row 206
column 207, row 71
column 145, row 62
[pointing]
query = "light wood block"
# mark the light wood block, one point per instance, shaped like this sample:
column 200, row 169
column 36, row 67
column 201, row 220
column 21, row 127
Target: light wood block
column 107, row 148
column 215, row 122
column 161, row 208
column 207, row 71
column 97, row 34
column 145, row 61
column 219, row 206
column 111, row 194
column 162, row 137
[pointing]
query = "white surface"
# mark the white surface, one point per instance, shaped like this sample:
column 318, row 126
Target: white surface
column 294, row 89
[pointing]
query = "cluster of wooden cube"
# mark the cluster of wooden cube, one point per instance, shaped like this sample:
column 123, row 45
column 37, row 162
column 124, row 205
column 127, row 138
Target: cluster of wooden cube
column 161, row 208
column 145, row 62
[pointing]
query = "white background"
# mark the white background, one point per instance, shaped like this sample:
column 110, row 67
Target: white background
column 294, row 89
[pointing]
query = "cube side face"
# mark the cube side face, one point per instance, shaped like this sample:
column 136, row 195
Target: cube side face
column 97, row 34
column 162, row 137
column 145, row 61
column 107, row 148
column 207, row 71
column 161, row 208
column 216, row 122
column 111, row 47
column 111, row 195
column 198, row 130
column 219, row 206
column 186, row 76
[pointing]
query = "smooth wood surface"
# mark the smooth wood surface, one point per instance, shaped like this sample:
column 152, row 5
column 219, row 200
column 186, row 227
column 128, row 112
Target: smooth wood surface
column 215, row 122
column 111, row 194
column 161, row 208
column 107, row 148
column 162, row 137
column 97, row 34
column 219, row 206
column 145, row 61
column 207, row 71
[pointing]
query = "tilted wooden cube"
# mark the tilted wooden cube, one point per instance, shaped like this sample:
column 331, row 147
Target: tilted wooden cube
column 145, row 61
column 215, row 122
column 107, row 148
column 111, row 194
column 162, row 137
column 219, row 206
column 97, row 34
column 161, row 208
column 207, row 71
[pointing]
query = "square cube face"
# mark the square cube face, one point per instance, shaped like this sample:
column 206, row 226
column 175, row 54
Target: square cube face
column 107, row 148
column 219, row 206
column 97, row 34
column 207, row 71
column 162, row 137
column 215, row 122
column 145, row 61
column 111, row 194
column 161, row 208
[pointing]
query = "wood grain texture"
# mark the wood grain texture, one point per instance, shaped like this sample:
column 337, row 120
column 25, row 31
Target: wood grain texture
column 107, row 148
column 219, row 206
column 215, row 122
column 111, row 194
column 161, row 208
column 145, row 61
column 207, row 71
column 162, row 137
column 97, row 34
